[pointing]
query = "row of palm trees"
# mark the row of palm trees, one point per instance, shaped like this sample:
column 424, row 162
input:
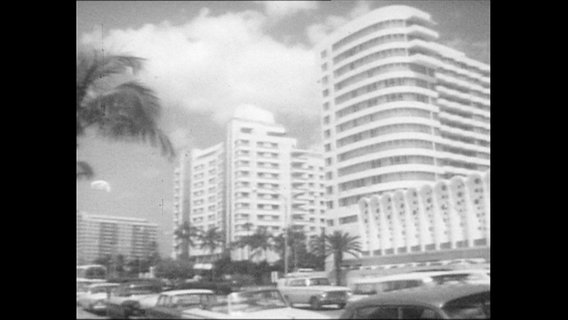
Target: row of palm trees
column 261, row 242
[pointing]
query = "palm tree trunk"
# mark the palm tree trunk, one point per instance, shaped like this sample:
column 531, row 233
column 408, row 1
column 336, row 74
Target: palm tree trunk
column 338, row 259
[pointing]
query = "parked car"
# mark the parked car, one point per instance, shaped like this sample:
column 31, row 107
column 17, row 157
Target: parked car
column 368, row 286
column 449, row 301
column 171, row 304
column 315, row 291
column 253, row 304
column 480, row 276
column 127, row 300
column 83, row 286
column 218, row 287
column 96, row 296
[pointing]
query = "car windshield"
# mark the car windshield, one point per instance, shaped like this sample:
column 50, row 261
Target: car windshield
column 475, row 306
column 458, row 277
column 365, row 288
column 192, row 300
column 245, row 302
column 319, row 282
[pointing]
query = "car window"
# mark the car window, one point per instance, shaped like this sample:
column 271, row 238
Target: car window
column 161, row 301
column 377, row 312
column 298, row 283
column 365, row 288
column 319, row 282
column 414, row 312
column 186, row 300
column 476, row 306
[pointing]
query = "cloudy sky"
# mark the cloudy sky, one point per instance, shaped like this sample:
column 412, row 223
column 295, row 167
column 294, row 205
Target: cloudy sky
column 207, row 59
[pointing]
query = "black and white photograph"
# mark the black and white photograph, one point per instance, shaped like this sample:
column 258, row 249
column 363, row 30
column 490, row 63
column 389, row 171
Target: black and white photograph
column 283, row 159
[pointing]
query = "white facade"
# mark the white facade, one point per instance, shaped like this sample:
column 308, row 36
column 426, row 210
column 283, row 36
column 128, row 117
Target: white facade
column 206, row 192
column 258, row 178
column 446, row 215
column 99, row 235
column 271, row 184
column 181, row 198
column 399, row 109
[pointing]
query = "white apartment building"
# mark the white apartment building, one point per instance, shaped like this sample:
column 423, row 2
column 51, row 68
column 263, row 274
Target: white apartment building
column 399, row 109
column 101, row 235
column 181, row 200
column 447, row 219
column 269, row 183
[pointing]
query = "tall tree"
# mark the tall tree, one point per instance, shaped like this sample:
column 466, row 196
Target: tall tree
column 260, row 241
column 339, row 243
column 317, row 249
column 124, row 110
column 211, row 239
column 188, row 234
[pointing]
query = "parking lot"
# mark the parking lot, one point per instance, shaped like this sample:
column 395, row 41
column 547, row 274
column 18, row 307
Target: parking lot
column 326, row 311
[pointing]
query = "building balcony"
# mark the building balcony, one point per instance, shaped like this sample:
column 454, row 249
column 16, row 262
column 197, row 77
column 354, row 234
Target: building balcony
column 421, row 31
column 464, row 108
column 465, row 121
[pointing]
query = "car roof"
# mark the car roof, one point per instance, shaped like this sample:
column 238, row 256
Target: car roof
column 403, row 276
column 106, row 284
column 430, row 295
column 189, row 291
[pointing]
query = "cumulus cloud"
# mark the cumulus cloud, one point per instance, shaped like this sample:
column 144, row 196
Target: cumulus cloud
column 361, row 8
column 280, row 9
column 212, row 64
column 318, row 31
column 474, row 49
column 251, row 112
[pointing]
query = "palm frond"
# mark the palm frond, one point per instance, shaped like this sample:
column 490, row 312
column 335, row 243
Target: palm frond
column 84, row 170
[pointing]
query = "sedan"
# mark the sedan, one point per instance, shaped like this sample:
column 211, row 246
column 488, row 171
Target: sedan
column 171, row 304
column 448, row 301
column 96, row 296
column 253, row 304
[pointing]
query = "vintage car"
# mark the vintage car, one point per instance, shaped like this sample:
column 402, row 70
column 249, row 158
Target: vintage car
column 254, row 304
column 131, row 298
column 371, row 285
column 83, row 286
column 96, row 296
column 368, row 286
column 315, row 291
column 447, row 301
column 171, row 304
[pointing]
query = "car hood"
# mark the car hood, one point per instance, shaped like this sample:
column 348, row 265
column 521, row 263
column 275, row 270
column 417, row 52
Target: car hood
column 284, row 313
column 356, row 297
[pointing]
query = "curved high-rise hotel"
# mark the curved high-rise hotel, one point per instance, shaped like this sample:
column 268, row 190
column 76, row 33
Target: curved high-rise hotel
column 399, row 109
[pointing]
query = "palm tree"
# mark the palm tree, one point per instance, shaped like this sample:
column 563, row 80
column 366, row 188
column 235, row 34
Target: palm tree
column 211, row 239
column 296, row 242
column 119, row 110
column 260, row 241
column 187, row 234
column 339, row 243
column 317, row 248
